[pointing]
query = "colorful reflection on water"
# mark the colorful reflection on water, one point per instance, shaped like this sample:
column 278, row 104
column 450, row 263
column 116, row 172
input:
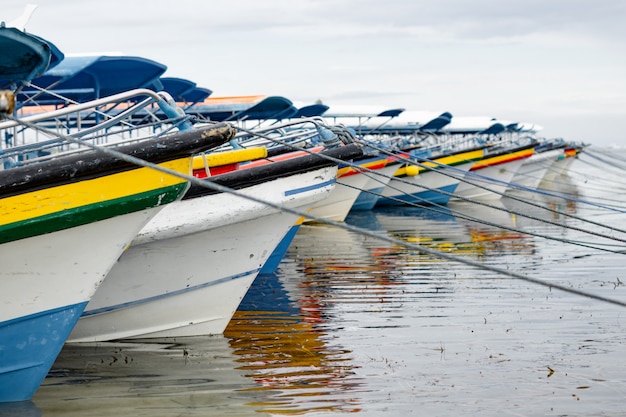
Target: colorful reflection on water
column 282, row 347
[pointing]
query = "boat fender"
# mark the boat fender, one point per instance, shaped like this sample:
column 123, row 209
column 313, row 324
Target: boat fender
column 412, row 170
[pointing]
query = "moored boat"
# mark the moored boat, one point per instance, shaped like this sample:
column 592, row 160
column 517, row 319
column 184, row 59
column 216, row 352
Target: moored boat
column 561, row 165
column 66, row 216
column 489, row 177
column 428, row 182
column 532, row 171
column 189, row 268
column 379, row 174
column 338, row 204
column 64, row 223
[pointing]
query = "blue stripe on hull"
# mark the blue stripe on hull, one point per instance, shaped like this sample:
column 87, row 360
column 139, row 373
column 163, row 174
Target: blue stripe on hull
column 310, row 187
column 279, row 252
column 28, row 348
column 367, row 199
column 423, row 197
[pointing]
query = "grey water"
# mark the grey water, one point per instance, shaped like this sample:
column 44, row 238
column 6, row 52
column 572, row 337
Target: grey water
column 354, row 324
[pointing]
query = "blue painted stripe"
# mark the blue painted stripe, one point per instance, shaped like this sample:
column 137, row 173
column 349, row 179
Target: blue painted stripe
column 168, row 294
column 310, row 187
column 279, row 252
column 29, row 346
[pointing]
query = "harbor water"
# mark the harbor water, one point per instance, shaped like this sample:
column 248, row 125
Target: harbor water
column 353, row 323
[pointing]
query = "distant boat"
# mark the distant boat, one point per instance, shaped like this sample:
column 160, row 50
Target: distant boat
column 489, row 178
column 378, row 179
column 336, row 207
column 426, row 182
column 533, row 170
column 561, row 165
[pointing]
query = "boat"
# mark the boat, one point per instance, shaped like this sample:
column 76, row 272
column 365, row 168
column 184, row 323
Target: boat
column 187, row 270
column 533, row 170
column 51, row 212
column 428, row 181
column 561, row 165
column 489, row 178
column 379, row 173
column 350, row 183
column 66, row 215
column 294, row 141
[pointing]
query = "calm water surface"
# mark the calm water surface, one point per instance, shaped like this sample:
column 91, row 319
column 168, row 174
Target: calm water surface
column 354, row 324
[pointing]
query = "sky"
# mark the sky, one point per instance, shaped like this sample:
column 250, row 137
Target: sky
column 560, row 64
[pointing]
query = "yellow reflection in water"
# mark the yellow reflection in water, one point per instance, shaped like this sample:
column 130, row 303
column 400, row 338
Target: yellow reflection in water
column 289, row 359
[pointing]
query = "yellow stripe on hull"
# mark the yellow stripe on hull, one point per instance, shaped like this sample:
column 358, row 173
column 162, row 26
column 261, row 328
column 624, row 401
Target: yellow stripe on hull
column 451, row 160
column 70, row 196
column 229, row 157
column 495, row 160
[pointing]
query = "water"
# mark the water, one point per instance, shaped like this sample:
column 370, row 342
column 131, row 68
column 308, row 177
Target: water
column 354, row 324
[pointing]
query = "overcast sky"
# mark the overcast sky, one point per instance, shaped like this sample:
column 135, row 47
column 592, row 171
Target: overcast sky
column 560, row 64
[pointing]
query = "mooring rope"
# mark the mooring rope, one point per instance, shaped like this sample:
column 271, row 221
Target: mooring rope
column 216, row 187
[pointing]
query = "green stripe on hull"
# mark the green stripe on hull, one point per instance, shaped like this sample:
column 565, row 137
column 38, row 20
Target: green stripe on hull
column 90, row 213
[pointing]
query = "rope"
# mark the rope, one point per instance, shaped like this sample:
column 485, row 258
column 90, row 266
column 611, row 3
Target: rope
column 216, row 187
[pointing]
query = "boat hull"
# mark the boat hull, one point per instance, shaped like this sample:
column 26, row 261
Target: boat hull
column 428, row 187
column 533, row 170
column 64, row 221
column 493, row 181
column 341, row 199
column 560, row 166
column 187, row 271
column 62, row 277
column 374, row 187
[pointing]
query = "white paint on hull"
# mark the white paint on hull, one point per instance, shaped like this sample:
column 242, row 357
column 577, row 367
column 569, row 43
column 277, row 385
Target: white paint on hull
column 189, row 268
column 338, row 204
column 63, row 268
column 534, row 168
column 495, row 180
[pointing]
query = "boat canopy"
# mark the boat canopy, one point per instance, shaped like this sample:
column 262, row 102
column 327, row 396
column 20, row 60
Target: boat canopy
column 88, row 77
column 311, row 110
column 57, row 55
column 23, row 56
column 196, row 95
column 361, row 112
column 244, row 108
column 390, row 113
column 181, row 89
column 494, row 129
column 437, row 123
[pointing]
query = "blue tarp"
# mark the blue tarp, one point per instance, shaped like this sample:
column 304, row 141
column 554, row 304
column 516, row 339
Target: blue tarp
column 272, row 107
column 22, row 57
column 83, row 78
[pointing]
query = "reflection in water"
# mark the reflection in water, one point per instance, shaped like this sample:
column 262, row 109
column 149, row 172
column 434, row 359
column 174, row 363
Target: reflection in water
column 460, row 230
column 157, row 378
column 281, row 346
column 489, row 242
column 20, row 409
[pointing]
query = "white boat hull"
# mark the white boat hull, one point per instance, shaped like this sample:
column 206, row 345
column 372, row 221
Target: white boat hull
column 534, row 169
column 493, row 181
column 341, row 199
column 188, row 270
column 558, row 168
